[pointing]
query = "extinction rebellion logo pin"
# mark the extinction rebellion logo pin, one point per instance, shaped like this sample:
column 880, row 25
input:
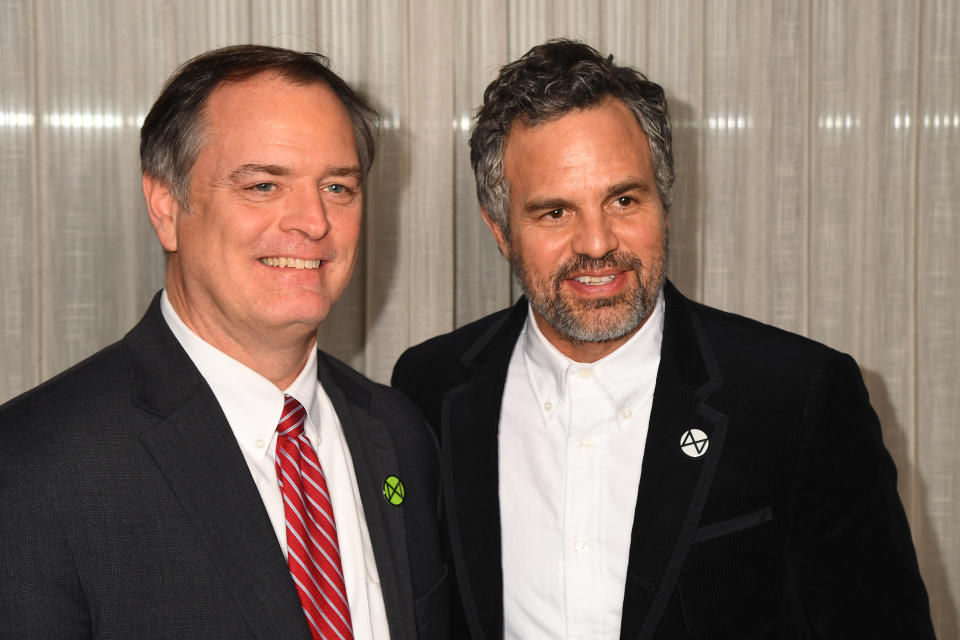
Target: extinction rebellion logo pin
column 393, row 490
column 694, row 443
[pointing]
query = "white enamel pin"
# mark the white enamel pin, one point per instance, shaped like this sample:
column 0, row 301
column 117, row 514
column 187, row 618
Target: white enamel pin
column 694, row 443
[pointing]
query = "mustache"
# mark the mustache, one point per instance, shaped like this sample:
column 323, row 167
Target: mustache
column 612, row 260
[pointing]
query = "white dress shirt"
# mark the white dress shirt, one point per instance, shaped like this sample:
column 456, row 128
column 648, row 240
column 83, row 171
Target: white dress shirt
column 253, row 406
column 571, row 446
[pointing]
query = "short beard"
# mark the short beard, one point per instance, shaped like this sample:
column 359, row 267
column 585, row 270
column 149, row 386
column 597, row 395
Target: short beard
column 570, row 318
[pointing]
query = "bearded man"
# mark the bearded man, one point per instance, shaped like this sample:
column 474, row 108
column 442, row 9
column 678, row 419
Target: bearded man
column 617, row 460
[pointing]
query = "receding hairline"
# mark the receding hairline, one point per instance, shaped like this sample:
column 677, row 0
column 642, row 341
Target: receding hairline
column 201, row 122
column 203, row 126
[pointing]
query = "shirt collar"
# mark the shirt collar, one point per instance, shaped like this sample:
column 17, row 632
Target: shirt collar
column 251, row 403
column 629, row 374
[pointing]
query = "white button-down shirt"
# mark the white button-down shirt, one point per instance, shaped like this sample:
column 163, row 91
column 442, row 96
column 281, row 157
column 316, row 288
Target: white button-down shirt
column 253, row 406
column 571, row 446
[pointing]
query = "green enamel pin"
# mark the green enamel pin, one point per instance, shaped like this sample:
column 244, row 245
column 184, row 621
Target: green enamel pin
column 393, row 490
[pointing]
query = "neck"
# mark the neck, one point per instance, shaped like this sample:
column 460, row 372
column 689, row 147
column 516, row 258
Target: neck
column 279, row 356
column 579, row 351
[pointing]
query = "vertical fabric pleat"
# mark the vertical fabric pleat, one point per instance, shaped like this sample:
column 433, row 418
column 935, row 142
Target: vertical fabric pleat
column 935, row 215
column 862, row 183
column 19, row 211
column 482, row 277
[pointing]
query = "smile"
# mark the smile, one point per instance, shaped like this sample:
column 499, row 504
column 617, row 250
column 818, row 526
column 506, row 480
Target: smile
column 596, row 280
column 292, row 263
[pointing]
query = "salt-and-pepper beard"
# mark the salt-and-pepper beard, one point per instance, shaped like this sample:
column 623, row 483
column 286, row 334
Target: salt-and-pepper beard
column 570, row 316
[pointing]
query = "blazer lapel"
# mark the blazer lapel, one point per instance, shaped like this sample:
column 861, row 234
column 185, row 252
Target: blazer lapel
column 372, row 452
column 673, row 485
column 469, row 458
column 196, row 451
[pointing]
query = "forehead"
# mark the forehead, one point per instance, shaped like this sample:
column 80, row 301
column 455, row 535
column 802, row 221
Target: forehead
column 605, row 138
column 268, row 108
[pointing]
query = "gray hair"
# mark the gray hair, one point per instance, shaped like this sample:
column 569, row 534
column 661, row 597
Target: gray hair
column 174, row 131
column 549, row 81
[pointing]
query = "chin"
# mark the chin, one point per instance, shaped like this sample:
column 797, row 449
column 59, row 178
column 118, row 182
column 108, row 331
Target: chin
column 295, row 312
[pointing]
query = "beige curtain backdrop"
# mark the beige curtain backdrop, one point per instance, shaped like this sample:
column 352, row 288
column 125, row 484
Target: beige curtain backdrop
column 816, row 144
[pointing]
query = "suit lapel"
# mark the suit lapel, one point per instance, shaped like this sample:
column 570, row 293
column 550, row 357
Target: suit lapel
column 673, row 486
column 374, row 458
column 470, row 421
column 196, row 451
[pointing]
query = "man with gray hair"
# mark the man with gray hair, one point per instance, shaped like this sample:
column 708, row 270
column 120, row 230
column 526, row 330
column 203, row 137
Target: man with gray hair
column 617, row 460
column 212, row 474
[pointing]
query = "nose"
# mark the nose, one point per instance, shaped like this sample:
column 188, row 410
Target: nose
column 594, row 234
column 307, row 214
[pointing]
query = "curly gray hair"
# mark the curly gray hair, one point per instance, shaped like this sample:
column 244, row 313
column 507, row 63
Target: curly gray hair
column 549, row 81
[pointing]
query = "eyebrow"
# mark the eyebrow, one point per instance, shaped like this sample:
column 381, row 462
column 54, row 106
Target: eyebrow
column 550, row 204
column 627, row 185
column 546, row 205
column 346, row 172
column 246, row 170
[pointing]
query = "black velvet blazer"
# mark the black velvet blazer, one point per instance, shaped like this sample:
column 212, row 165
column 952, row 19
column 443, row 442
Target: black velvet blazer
column 789, row 526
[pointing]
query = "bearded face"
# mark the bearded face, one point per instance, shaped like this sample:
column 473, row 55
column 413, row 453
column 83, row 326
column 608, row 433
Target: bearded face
column 594, row 319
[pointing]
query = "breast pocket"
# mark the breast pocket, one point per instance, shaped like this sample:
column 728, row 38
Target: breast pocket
column 433, row 610
column 732, row 581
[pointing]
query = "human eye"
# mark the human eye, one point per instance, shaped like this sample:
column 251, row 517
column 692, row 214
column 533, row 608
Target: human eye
column 624, row 201
column 262, row 187
column 340, row 192
column 553, row 215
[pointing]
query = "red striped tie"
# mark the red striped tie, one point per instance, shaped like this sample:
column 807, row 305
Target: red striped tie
column 312, row 549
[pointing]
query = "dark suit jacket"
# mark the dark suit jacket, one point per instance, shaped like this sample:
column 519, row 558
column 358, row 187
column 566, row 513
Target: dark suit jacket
column 789, row 526
column 127, row 509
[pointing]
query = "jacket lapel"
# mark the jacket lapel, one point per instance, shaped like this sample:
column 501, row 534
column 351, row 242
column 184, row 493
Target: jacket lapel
column 196, row 451
column 372, row 452
column 673, row 485
column 469, row 440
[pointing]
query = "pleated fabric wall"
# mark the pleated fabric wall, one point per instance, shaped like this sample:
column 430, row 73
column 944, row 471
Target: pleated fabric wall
column 816, row 144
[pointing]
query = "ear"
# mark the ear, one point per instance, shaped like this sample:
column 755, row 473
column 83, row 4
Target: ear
column 497, row 234
column 163, row 209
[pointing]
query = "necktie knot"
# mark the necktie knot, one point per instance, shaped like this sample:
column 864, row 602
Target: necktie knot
column 292, row 417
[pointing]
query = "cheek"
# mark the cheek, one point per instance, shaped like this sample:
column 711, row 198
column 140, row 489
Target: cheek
column 646, row 240
column 542, row 251
column 344, row 237
column 194, row 237
column 245, row 227
column 348, row 230
column 207, row 233
column 354, row 226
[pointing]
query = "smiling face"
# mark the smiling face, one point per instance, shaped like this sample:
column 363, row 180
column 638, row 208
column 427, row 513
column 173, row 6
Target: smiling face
column 271, row 237
column 587, row 227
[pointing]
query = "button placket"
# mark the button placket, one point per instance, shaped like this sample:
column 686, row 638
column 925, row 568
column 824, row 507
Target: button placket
column 589, row 418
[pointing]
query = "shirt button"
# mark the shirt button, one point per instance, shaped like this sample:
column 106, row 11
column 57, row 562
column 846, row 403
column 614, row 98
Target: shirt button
column 585, row 445
column 627, row 414
column 261, row 443
column 585, row 374
column 582, row 546
column 547, row 406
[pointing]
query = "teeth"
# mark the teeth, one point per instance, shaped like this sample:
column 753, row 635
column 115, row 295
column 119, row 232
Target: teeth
column 293, row 263
column 595, row 280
